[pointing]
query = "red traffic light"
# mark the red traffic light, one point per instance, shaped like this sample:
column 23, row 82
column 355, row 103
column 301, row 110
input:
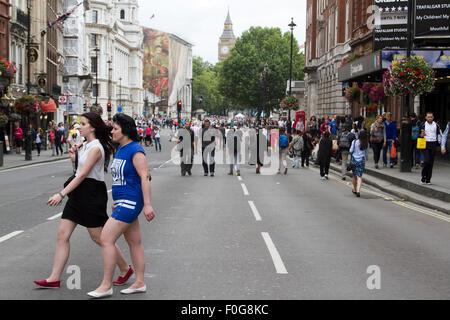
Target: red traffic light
column 108, row 104
column 179, row 104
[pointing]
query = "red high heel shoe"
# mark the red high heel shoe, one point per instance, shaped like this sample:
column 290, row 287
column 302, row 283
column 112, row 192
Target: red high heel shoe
column 48, row 285
column 122, row 280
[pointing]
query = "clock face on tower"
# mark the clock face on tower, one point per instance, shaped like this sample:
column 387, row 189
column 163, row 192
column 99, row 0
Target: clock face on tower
column 224, row 50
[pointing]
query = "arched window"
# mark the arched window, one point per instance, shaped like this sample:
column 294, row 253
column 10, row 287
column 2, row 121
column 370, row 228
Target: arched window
column 122, row 14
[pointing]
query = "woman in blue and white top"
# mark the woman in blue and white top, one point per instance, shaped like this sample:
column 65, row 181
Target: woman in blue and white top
column 360, row 154
column 131, row 193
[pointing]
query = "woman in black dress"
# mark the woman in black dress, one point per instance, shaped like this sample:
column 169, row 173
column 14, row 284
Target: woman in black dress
column 88, row 197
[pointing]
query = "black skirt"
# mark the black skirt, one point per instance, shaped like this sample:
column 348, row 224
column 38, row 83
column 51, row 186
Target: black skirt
column 87, row 204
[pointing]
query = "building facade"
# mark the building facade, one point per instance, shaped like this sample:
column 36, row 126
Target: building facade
column 4, row 28
column 113, row 28
column 227, row 40
column 327, row 43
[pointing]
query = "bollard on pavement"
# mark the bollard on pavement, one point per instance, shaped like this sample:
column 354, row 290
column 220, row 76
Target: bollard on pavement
column 1, row 153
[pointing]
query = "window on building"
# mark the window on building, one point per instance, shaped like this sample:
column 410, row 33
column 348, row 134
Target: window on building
column 122, row 14
column 95, row 90
column 93, row 64
column 95, row 16
column 347, row 19
column 94, row 40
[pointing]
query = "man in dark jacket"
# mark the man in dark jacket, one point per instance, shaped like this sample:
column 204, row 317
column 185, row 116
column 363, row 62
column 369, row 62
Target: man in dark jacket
column 324, row 155
column 207, row 140
column 307, row 148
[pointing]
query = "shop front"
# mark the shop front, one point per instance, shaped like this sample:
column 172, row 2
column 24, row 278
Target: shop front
column 372, row 67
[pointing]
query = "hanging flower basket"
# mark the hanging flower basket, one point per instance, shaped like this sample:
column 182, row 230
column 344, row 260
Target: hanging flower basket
column 372, row 96
column 28, row 105
column 3, row 120
column 7, row 68
column 290, row 102
column 97, row 109
column 353, row 94
column 408, row 76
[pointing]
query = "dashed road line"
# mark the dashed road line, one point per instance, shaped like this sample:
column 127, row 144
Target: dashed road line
column 255, row 211
column 9, row 236
column 56, row 216
column 244, row 188
column 276, row 258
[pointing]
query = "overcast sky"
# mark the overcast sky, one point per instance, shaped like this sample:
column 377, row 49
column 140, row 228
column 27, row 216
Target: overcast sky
column 200, row 22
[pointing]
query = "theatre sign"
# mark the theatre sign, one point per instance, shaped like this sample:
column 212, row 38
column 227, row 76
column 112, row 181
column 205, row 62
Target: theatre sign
column 432, row 19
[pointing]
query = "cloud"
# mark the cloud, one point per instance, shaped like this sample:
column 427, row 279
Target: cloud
column 200, row 22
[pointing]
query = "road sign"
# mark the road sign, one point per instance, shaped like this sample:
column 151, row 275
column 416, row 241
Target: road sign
column 62, row 100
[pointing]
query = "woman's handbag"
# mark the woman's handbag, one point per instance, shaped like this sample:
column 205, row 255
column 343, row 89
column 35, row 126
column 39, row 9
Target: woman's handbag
column 375, row 139
column 421, row 143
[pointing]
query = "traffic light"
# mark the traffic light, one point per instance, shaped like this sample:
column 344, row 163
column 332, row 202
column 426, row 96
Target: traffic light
column 84, row 107
column 108, row 105
column 179, row 105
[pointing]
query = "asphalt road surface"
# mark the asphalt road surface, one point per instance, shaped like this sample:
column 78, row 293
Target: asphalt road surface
column 252, row 237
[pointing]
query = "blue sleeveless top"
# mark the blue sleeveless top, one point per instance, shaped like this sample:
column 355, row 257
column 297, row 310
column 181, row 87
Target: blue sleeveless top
column 126, row 181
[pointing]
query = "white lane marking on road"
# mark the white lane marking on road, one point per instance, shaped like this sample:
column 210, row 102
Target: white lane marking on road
column 9, row 236
column 33, row 166
column 173, row 159
column 276, row 258
column 109, row 191
column 255, row 211
column 56, row 216
column 239, row 178
column 244, row 188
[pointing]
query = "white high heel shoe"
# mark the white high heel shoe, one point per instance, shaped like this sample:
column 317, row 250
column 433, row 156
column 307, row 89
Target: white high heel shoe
column 97, row 295
column 131, row 291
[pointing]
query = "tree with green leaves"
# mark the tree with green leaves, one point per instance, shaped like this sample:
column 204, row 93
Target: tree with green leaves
column 242, row 79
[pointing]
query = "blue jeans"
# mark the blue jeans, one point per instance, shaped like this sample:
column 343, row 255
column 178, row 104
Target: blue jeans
column 158, row 143
column 386, row 150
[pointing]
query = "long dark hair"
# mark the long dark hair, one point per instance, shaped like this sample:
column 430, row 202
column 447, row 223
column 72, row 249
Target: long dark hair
column 102, row 132
column 364, row 143
column 128, row 126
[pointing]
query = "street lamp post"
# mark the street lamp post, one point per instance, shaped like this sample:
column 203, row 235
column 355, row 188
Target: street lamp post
column 28, row 142
column 408, row 103
column 96, row 75
column 292, row 25
column 263, row 81
column 120, row 92
column 109, row 88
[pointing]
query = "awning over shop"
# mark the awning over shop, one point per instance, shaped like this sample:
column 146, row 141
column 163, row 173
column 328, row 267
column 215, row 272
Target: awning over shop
column 370, row 68
column 50, row 106
column 360, row 68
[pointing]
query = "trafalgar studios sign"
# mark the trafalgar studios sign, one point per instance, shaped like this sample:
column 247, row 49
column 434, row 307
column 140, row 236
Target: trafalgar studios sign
column 432, row 20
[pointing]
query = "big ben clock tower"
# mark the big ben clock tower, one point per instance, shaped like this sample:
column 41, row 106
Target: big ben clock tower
column 227, row 40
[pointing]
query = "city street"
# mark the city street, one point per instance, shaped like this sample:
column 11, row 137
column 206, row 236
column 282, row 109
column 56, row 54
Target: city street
column 252, row 237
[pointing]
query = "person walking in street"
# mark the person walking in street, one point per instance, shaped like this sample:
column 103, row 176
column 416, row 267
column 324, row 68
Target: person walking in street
column 378, row 139
column 360, row 154
column 345, row 140
column 234, row 138
column 205, row 144
column 88, row 198
column 417, row 154
column 391, row 136
column 297, row 148
column 157, row 134
column 18, row 137
column 131, row 191
column 284, row 148
column 324, row 155
column 431, row 131
column 307, row 148
column 445, row 145
column 38, row 141
column 148, row 135
column 59, row 134
column 186, row 156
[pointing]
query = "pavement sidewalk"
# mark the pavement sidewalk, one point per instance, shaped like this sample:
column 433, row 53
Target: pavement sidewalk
column 408, row 185
column 13, row 160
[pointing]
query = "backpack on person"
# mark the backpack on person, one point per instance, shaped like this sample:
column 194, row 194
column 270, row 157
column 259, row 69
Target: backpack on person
column 298, row 143
column 345, row 140
column 284, row 141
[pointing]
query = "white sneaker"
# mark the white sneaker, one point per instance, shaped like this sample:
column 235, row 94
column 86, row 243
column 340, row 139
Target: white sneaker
column 132, row 291
column 323, row 178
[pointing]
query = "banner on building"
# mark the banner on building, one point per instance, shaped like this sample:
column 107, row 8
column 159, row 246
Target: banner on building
column 432, row 19
column 156, row 63
column 438, row 59
column 390, row 30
